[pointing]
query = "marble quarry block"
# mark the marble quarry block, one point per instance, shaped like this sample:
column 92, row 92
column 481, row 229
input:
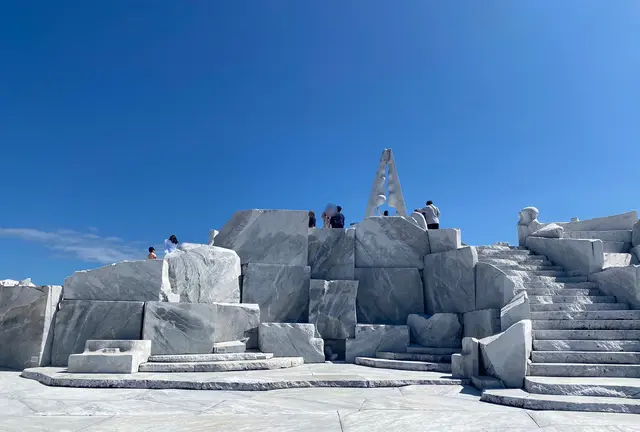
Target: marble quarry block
column 78, row 321
column 267, row 236
column 110, row 356
column 617, row 260
column 481, row 323
column 27, row 315
column 332, row 254
column 373, row 338
column 145, row 280
column 390, row 242
column 236, row 321
column 388, row 295
column 621, row 282
column 457, row 366
column 624, row 221
column 291, row 340
column 635, row 235
column 332, row 307
column 179, row 328
column 442, row 240
column 449, row 281
column 282, row 292
column 549, row 231
column 470, row 357
column 439, row 331
column 581, row 256
column 205, row 274
column 505, row 355
column 494, row 288
column 517, row 310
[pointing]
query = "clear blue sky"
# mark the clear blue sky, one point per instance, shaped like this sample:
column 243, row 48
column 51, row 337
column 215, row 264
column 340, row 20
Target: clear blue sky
column 124, row 121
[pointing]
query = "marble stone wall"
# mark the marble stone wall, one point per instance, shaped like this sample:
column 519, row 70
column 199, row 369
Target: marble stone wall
column 332, row 308
column 373, row 338
column 332, row 253
column 449, row 281
column 578, row 255
column 234, row 321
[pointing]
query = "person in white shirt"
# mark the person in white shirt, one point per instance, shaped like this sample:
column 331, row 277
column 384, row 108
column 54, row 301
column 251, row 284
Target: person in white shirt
column 431, row 214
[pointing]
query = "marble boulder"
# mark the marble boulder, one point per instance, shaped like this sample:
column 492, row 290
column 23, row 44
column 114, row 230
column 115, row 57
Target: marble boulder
column 390, row 242
column 291, row 340
column 332, row 308
column 549, row 231
column 481, row 323
column 505, row 355
column 442, row 330
column 373, row 338
column 517, row 310
column 388, row 295
column 267, row 236
column 494, row 288
column 623, row 221
column 442, row 240
column 470, row 357
column 332, row 253
column 110, row 356
column 621, row 282
column 581, row 256
column 27, row 315
column 78, row 321
column 236, row 321
column 449, row 281
column 282, row 292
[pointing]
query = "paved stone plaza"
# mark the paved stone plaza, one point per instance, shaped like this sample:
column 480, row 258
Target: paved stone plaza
column 26, row 405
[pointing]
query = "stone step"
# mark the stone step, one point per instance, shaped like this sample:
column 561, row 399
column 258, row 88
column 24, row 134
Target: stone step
column 575, row 307
column 571, row 299
column 498, row 251
column 601, row 357
column 224, row 366
column 432, row 358
column 587, row 315
column 404, row 365
column 524, row 260
column 586, row 324
column 611, row 345
column 562, row 292
column 615, row 247
column 584, row 386
column 522, row 399
column 560, row 285
column 524, row 277
column 199, row 358
column 621, row 236
column 584, row 370
column 419, row 349
column 586, row 334
column 531, row 273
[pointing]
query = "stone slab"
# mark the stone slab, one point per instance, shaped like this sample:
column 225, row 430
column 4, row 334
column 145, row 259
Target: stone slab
column 291, row 340
column 493, row 287
column 623, row 221
column 267, row 236
column 229, row 347
column 236, row 321
column 621, row 282
column 481, row 323
column 616, row 260
column 549, row 231
column 470, row 357
column 442, row 240
column 110, row 356
column 506, row 354
column 209, row 358
column 78, row 321
column 332, row 308
column 403, row 365
column 27, row 317
column 622, row 236
column 517, row 310
column 332, row 254
column 580, row 256
column 443, row 330
column 282, row 292
column 388, row 295
column 390, row 242
column 224, row 366
column 449, row 281
column 457, row 370
column 373, row 338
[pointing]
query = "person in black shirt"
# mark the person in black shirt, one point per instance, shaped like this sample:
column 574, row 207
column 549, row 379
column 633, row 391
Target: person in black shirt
column 337, row 220
column 312, row 219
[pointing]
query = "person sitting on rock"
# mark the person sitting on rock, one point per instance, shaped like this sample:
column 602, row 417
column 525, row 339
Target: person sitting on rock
column 152, row 253
column 170, row 244
column 386, row 213
column 431, row 214
column 337, row 220
column 312, row 219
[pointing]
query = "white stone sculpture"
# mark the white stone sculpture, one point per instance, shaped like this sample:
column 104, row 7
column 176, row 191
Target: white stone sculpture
column 527, row 224
column 378, row 194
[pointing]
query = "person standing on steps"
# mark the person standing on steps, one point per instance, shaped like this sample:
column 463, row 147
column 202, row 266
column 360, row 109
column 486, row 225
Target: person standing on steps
column 312, row 219
column 152, row 253
column 170, row 244
column 431, row 214
column 337, row 220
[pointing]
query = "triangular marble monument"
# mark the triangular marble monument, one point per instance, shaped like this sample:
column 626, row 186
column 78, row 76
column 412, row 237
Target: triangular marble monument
column 378, row 193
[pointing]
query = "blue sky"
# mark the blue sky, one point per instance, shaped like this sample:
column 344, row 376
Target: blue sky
column 125, row 121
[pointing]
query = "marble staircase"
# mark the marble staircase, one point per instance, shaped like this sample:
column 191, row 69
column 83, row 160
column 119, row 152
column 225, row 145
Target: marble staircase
column 218, row 362
column 416, row 358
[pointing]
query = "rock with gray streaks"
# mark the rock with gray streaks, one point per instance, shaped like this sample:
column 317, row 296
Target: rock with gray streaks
column 291, row 340
column 481, row 323
column 282, row 292
column 267, row 236
column 390, row 242
column 236, row 321
column 494, row 288
column 623, row 221
column 505, row 355
column 616, row 260
column 517, row 310
column 332, row 253
column 581, row 256
column 622, row 282
column 549, row 231
column 442, row 240
column 110, row 356
column 442, row 330
column 388, row 295
column 457, row 366
column 27, row 315
column 78, row 321
column 470, row 357
column 373, row 338
column 332, row 308
column 449, row 281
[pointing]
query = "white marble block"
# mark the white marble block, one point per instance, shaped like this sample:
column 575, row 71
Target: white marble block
column 390, row 242
column 516, row 310
column 236, row 321
column 440, row 330
column 505, row 355
column 27, row 315
column 581, row 256
column 622, row 282
column 78, row 321
column 494, row 288
column 332, row 308
column 373, row 338
column 442, row 240
column 281, row 291
column 481, row 323
column 267, row 236
column 623, row 221
column 291, row 340
column 388, row 295
column 332, row 253
column 110, row 356
column 449, row 281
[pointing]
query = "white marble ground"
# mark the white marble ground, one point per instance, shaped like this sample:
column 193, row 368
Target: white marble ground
column 26, row 405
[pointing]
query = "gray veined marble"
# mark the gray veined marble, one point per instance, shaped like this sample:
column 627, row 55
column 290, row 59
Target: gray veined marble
column 549, row 231
column 388, row 295
column 449, row 281
column 505, row 355
column 236, row 321
column 635, row 234
column 332, row 307
column 581, row 256
column 623, row 221
column 622, row 282
column 27, row 315
column 373, row 338
column 282, row 292
column 267, row 236
column 516, row 310
column 110, row 356
column 494, row 288
column 439, row 331
column 291, row 340
column 390, row 242
column 442, row 240
column 78, row 321
column 332, row 253
column 481, row 323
